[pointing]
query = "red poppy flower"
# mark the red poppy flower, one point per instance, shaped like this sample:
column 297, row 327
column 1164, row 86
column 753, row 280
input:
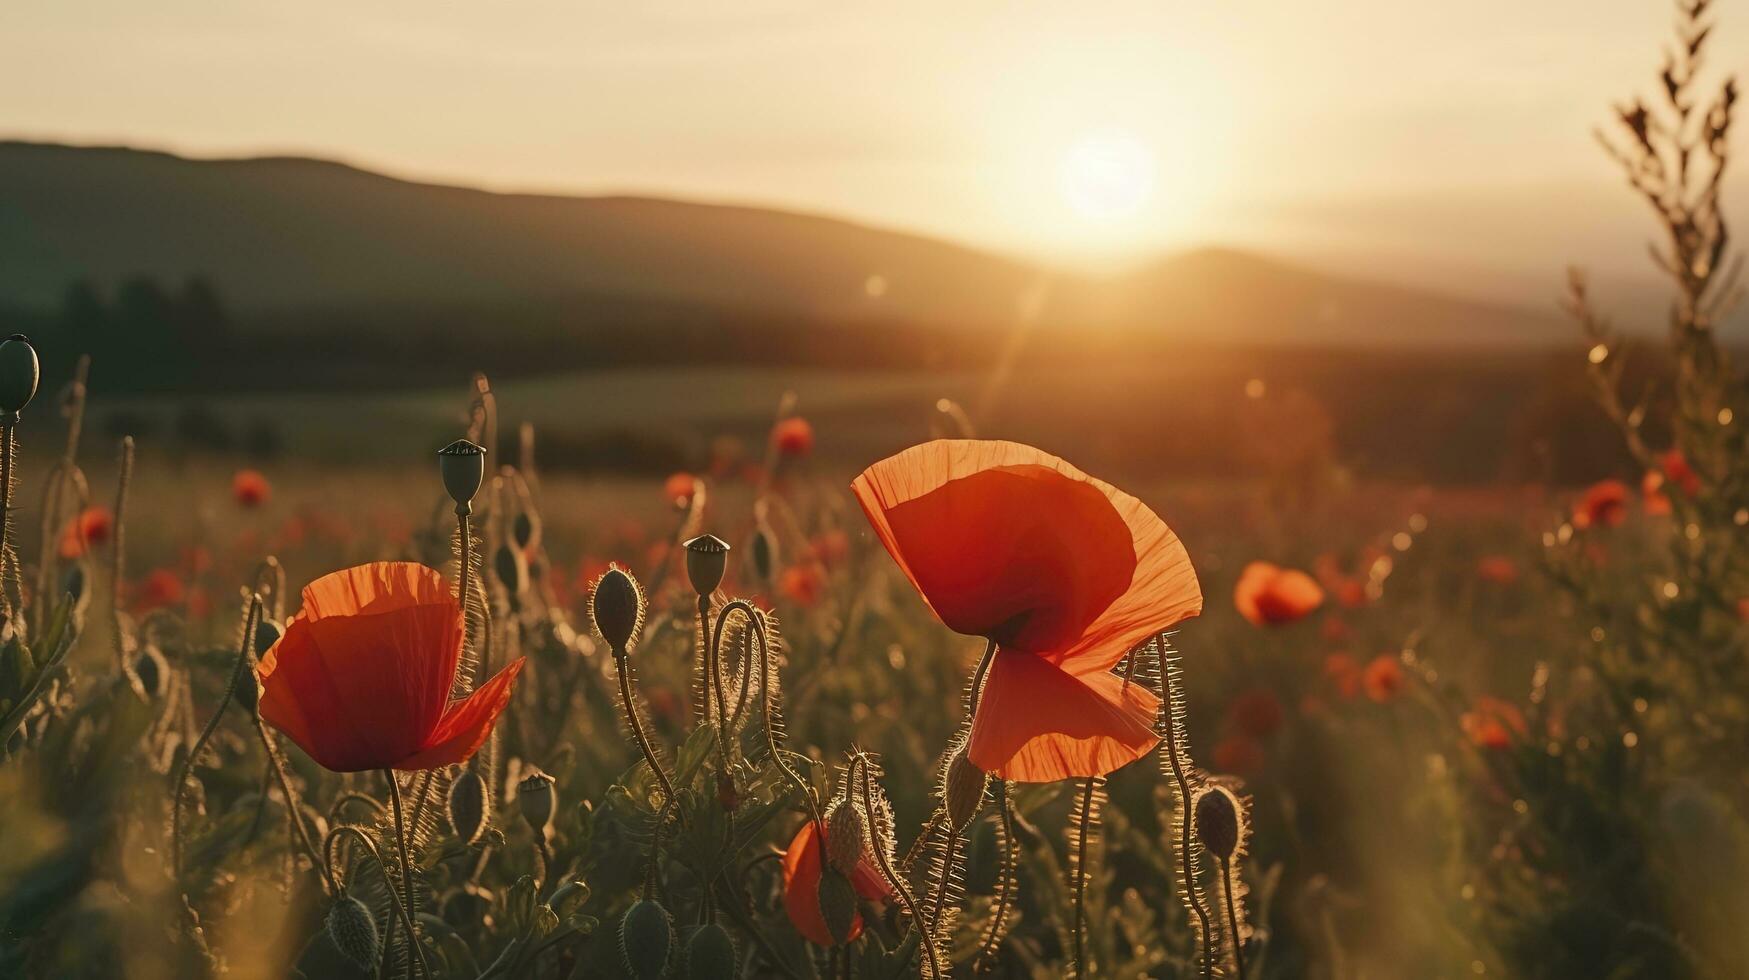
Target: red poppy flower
column 1497, row 570
column 1383, row 678
column 1493, row 723
column 1604, row 504
column 1678, row 472
column 1269, row 595
column 802, row 583
column 362, row 677
column 802, row 867
column 679, row 488
column 1238, row 754
column 250, row 488
column 1063, row 572
column 160, row 588
column 89, row 527
column 1257, row 713
column 793, row 436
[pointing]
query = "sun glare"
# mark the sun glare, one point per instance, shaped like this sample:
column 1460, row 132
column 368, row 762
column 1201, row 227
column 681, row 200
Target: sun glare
column 1108, row 176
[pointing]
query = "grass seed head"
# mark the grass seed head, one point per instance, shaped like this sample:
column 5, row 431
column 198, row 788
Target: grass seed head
column 19, row 373
column 617, row 605
column 707, row 559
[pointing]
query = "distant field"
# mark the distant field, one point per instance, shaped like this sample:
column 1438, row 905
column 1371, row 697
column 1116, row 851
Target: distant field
column 1470, row 417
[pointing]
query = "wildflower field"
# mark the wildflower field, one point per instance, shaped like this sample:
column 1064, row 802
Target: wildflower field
column 820, row 674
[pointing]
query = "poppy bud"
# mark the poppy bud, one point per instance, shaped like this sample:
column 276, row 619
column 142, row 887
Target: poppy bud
column 764, row 553
column 617, row 605
column 153, row 670
column 511, row 569
column 707, row 558
column 354, row 932
column 963, row 792
column 569, row 897
column 645, row 937
column 463, row 467
column 468, row 805
column 710, row 954
column 846, row 837
column 1217, row 822
column 538, row 800
column 19, row 373
column 837, row 904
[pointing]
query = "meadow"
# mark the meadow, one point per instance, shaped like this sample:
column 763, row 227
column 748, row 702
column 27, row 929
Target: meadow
column 1306, row 662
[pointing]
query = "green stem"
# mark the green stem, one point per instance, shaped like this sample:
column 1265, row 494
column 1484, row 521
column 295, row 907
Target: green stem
column 1086, row 820
column 1174, row 753
column 250, row 618
column 925, row 928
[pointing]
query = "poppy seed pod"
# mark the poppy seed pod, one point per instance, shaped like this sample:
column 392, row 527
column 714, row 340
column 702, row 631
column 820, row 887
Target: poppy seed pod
column 617, row 605
column 538, row 800
column 354, row 932
column 511, row 569
column 19, row 373
column 645, row 937
column 963, row 790
column 267, row 633
column 707, row 558
column 463, row 467
column 1217, row 822
column 837, row 904
column 710, row 954
column 468, row 798
column 764, row 553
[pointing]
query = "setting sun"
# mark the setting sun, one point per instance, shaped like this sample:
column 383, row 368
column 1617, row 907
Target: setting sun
column 1108, row 176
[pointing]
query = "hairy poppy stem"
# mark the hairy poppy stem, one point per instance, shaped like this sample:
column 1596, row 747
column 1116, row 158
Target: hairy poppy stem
column 466, row 534
column 250, row 618
column 412, row 909
column 949, row 854
column 1085, row 818
column 924, row 927
column 626, row 696
column 1232, row 917
column 976, row 692
column 1168, row 704
column 376, row 857
column 1005, row 884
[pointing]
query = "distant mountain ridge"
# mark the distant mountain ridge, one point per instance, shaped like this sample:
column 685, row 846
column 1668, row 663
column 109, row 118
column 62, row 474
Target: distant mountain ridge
column 285, row 237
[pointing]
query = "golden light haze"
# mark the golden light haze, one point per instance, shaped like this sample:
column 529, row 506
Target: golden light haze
column 1401, row 137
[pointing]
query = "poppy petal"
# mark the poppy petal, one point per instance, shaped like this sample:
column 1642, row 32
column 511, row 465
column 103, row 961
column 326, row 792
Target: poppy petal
column 1037, row 722
column 467, row 723
column 801, row 888
column 363, row 673
column 1002, row 540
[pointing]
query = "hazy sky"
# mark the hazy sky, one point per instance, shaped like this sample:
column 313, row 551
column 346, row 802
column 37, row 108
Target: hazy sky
column 1371, row 132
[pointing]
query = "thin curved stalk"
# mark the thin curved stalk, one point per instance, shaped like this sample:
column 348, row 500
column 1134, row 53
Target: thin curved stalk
column 250, row 618
column 406, row 872
column 998, row 927
column 631, row 708
column 1175, row 754
column 376, row 856
column 925, row 928
column 1085, row 818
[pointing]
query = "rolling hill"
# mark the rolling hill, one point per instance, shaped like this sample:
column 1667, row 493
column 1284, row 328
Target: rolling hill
column 284, row 240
